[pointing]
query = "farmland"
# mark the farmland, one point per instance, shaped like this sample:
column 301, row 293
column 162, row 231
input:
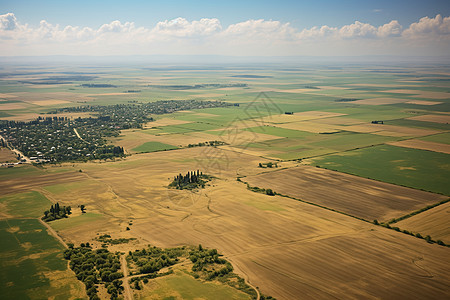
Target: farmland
column 338, row 169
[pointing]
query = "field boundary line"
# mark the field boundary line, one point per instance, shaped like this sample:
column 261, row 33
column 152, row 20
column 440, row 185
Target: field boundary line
column 416, row 212
column 53, row 233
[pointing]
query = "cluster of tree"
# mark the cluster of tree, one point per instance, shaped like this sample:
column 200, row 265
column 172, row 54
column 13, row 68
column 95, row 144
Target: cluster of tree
column 191, row 180
column 98, row 85
column 207, row 265
column 153, row 259
column 346, row 100
column 94, row 268
column 56, row 212
column 208, row 143
column 205, row 260
column 268, row 165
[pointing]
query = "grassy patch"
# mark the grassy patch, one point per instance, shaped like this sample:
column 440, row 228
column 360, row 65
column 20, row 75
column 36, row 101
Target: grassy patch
column 65, row 187
column 31, row 263
column 75, row 221
column 414, row 168
column 190, row 288
column 26, row 205
column 154, row 146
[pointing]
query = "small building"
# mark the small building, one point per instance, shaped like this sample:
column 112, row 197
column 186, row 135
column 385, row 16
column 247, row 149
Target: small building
column 288, row 112
column 377, row 122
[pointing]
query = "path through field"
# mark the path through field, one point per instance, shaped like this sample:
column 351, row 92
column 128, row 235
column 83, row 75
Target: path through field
column 128, row 295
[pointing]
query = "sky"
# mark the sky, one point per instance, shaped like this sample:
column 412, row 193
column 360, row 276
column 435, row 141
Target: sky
column 235, row 28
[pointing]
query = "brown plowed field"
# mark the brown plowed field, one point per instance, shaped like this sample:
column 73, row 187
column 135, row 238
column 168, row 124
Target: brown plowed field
column 361, row 197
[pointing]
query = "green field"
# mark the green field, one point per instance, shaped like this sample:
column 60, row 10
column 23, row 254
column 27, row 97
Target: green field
column 17, row 172
column 281, row 132
column 75, row 221
column 418, row 124
column 184, row 128
column 414, row 168
column 191, row 289
column 64, row 187
column 153, row 146
column 26, row 205
column 31, row 263
column 443, row 138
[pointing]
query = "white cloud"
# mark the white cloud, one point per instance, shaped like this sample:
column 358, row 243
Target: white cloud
column 390, row 29
column 260, row 29
column 206, row 36
column 180, row 27
column 8, row 22
column 429, row 27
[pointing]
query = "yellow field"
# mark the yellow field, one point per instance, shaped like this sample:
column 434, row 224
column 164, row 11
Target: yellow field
column 49, row 102
column 433, row 118
column 313, row 127
column 419, row 102
column 433, row 222
column 302, row 116
column 380, row 101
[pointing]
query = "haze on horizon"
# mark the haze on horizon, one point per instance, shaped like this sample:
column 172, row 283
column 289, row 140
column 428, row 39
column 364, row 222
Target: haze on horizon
column 287, row 28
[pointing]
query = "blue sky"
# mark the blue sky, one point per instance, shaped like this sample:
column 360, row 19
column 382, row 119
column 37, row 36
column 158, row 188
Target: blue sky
column 238, row 28
column 298, row 13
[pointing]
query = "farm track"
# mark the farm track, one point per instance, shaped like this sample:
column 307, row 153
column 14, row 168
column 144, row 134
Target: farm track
column 53, row 233
column 128, row 294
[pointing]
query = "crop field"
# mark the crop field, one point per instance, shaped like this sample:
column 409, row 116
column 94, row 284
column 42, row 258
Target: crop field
column 154, row 146
column 433, row 222
column 314, row 240
column 25, row 205
column 352, row 195
column 32, row 264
